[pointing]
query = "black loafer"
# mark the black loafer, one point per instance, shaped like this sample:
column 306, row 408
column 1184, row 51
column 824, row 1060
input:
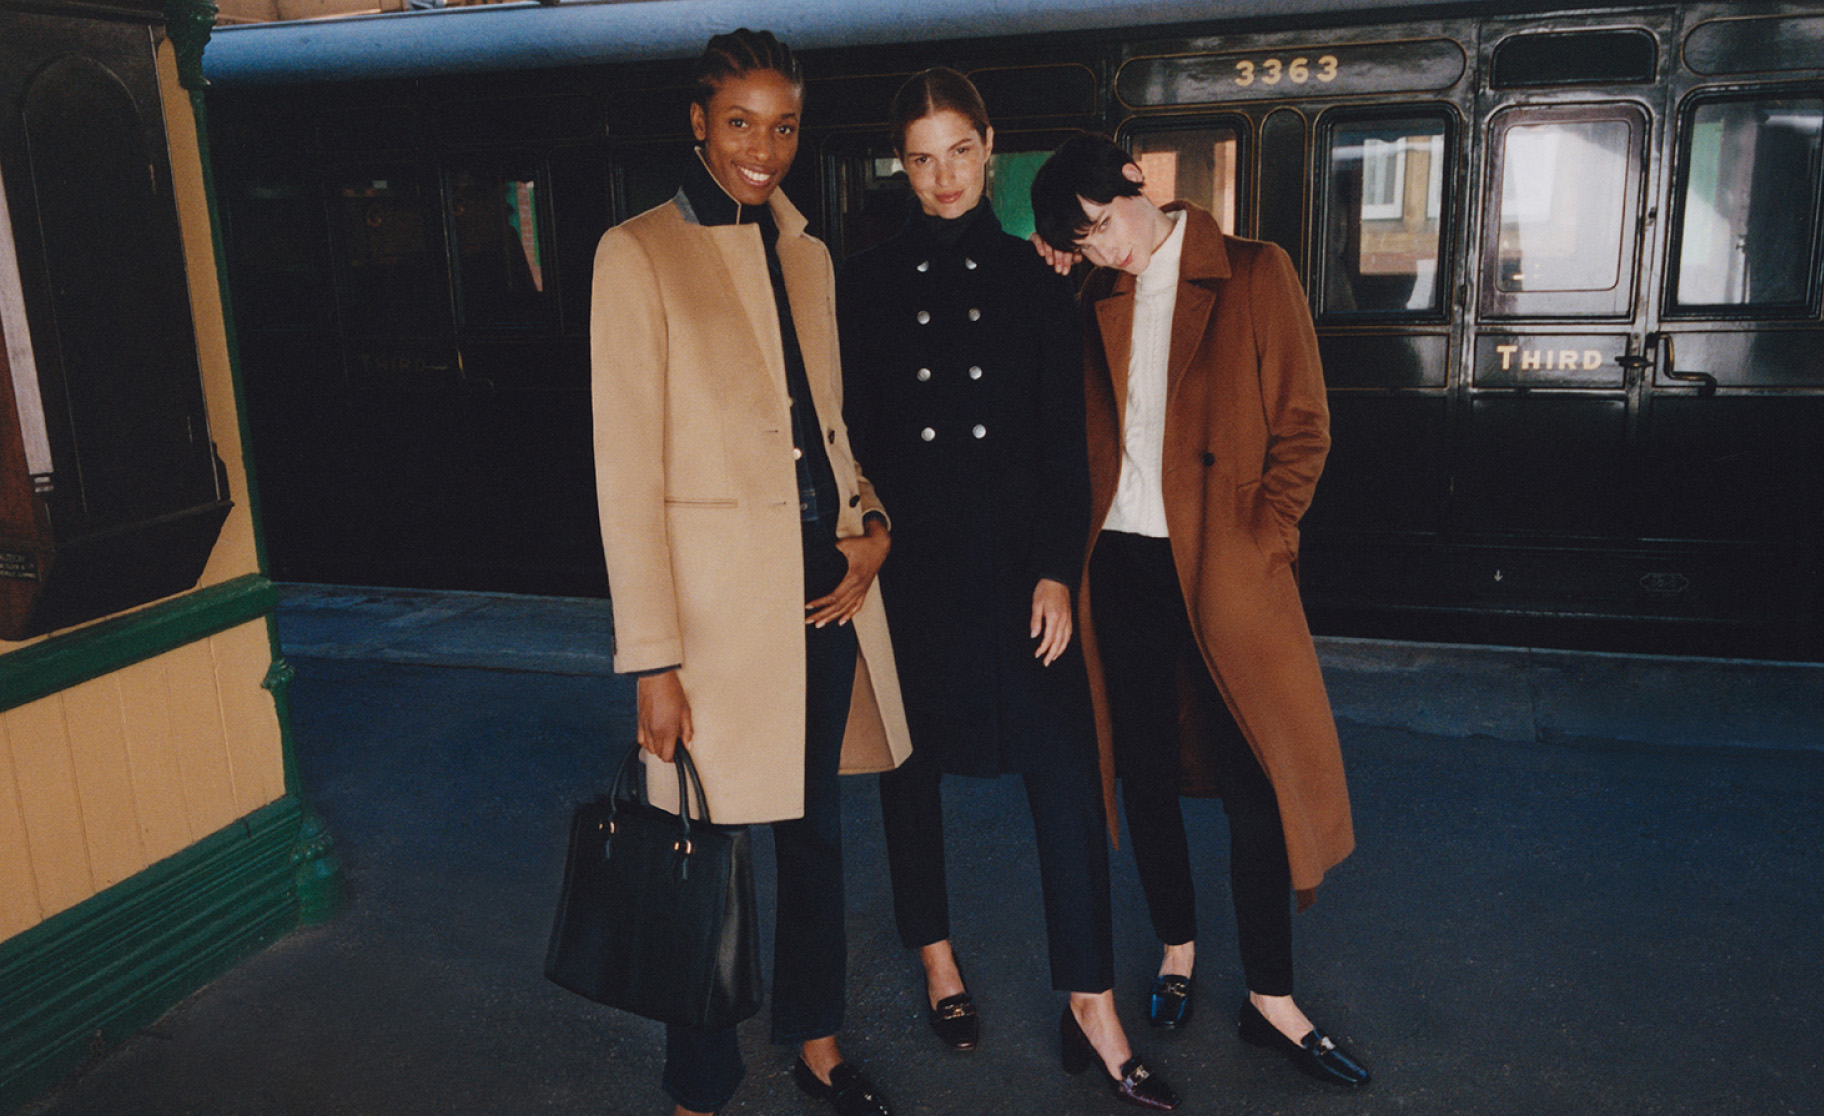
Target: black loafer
column 1169, row 1007
column 1315, row 1054
column 1137, row 1085
column 848, row 1092
column 956, row 1022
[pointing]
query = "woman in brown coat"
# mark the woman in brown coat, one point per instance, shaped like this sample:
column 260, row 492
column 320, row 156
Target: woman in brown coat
column 741, row 540
column 1207, row 428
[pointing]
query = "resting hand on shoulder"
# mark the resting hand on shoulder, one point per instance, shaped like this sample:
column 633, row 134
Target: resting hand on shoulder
column 865, row 554
column 664, row 714
column 1060, row 262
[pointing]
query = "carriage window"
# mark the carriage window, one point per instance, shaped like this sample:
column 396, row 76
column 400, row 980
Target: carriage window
column 1751, row 183
column 495, row 225
column 1562, row 202
column 1384, row 216
column 1193, row 164
column 392, row 275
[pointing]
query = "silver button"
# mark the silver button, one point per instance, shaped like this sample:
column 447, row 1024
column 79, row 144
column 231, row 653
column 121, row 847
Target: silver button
column 797, row 453
column 968, row 263
column 924, row 374
column 975, row 372
column 924, row 317
column 924, row 265
column 980, row 431
column 927, row 433
column 975, row 315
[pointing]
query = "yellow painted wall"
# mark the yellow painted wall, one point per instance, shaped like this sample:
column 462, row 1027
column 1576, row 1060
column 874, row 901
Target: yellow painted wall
column 109, row 777
column 105, row 779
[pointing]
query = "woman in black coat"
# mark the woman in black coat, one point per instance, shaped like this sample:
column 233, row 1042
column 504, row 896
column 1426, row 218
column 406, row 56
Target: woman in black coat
column 962, row 371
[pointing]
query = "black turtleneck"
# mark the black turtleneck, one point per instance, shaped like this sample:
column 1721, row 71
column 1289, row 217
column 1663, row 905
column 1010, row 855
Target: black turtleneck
column 710, row 204
column 948, row 232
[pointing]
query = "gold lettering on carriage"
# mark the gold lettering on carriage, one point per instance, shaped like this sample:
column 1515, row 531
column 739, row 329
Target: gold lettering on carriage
column 1270, row 71
column 1562, row 360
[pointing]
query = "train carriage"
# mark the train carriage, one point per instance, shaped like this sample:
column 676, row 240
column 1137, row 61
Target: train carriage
column 1564, row 264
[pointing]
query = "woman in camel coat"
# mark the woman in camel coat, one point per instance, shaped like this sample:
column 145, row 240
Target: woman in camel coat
column 742, row 541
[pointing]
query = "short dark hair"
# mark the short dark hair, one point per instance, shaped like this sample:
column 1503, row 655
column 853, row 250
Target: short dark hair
column 930, row 92
column 1087, row 165
column 741, row 52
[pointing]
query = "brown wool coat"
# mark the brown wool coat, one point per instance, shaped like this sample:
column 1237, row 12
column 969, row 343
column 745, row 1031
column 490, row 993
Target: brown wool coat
column 1246, row 432
column 699, row 498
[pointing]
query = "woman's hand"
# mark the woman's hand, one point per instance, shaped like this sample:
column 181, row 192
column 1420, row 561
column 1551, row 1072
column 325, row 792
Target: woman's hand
column 865, row 555
column 1060, row 262
column 1051, row 619
column 664, row 715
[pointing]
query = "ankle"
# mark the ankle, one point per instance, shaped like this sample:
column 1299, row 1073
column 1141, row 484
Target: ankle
column 943, row 976
column 820, row 1056
column 1179, row 960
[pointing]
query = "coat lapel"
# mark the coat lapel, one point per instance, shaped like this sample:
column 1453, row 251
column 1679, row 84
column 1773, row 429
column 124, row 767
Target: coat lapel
column 1202, row 268
column 744, row 262
column 1115, row 315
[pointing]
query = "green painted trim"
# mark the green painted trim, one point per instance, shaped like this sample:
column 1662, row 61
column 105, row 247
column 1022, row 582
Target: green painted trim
column 189, row 23
column 89, row 977
column 62, row 661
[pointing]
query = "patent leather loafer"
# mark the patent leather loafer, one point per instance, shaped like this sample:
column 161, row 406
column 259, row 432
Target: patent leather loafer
column 849, row 1092
column 1137, row 1085
column 1315, row 1055
column 956, row 1022
column 1169, row 1007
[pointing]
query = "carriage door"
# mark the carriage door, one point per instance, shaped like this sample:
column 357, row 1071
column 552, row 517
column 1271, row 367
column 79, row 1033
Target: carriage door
column 1541, row 493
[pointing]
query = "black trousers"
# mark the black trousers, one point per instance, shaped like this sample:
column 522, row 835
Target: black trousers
column 1065, row 799
column 1145, row 637
column 810, row 944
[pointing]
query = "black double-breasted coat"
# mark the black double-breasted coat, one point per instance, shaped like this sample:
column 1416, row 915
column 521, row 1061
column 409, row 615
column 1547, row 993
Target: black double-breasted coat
column 963, row 389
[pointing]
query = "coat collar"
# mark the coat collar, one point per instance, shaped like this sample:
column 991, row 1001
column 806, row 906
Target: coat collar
column 1205, row 255
column 701, row 200
column 1202, row 265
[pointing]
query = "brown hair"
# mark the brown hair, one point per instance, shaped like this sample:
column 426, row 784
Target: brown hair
column 742, row 52
column 931, row 92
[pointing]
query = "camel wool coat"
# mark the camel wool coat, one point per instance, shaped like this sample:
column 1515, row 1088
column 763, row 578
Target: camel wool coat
column 698, row 491
column 1246, row 432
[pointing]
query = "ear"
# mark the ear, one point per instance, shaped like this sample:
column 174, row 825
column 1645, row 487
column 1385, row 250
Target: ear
column 1129, row 171
column 988, row 142
column 699, row 122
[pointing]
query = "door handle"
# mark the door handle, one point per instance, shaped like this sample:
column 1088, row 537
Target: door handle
column 1706, row 383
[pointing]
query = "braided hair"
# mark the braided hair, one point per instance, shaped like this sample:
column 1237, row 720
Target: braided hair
column 742, row 52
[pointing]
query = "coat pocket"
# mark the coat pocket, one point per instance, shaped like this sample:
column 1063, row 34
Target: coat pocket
column 1272, row 534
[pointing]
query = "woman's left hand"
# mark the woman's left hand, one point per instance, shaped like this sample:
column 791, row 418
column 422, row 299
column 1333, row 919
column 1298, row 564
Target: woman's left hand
column 1051, row 619
column 865, row 554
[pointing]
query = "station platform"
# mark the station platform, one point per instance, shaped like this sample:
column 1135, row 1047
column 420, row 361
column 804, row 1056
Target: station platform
column 1587, row 885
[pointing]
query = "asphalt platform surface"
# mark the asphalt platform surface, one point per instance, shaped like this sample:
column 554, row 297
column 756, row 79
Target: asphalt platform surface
column 1586, row 885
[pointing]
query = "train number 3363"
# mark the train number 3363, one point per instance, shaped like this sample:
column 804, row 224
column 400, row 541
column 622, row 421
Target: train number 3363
column 1269, row 71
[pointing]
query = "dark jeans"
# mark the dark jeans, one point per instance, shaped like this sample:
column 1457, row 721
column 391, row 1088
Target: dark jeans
column 1145, row 638
column 810, row 947
column 1066, row 803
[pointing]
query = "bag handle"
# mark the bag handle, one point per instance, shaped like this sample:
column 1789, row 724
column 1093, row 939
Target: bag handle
column 689, row 781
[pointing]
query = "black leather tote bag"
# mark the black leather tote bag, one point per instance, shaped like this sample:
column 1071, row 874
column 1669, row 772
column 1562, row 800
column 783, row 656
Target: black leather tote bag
column 657, row 913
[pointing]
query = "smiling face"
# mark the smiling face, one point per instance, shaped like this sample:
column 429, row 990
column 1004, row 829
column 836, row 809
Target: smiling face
column 749, row 132
column 946, row 160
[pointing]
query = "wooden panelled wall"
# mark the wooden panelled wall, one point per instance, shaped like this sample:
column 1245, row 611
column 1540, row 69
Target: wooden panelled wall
column 109, row 777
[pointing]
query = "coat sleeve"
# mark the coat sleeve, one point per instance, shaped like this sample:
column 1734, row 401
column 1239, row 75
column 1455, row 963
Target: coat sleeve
column 870, row 502
column 1291, row 386
column 628, row 356
column 859, row 405
column 1061, row 531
